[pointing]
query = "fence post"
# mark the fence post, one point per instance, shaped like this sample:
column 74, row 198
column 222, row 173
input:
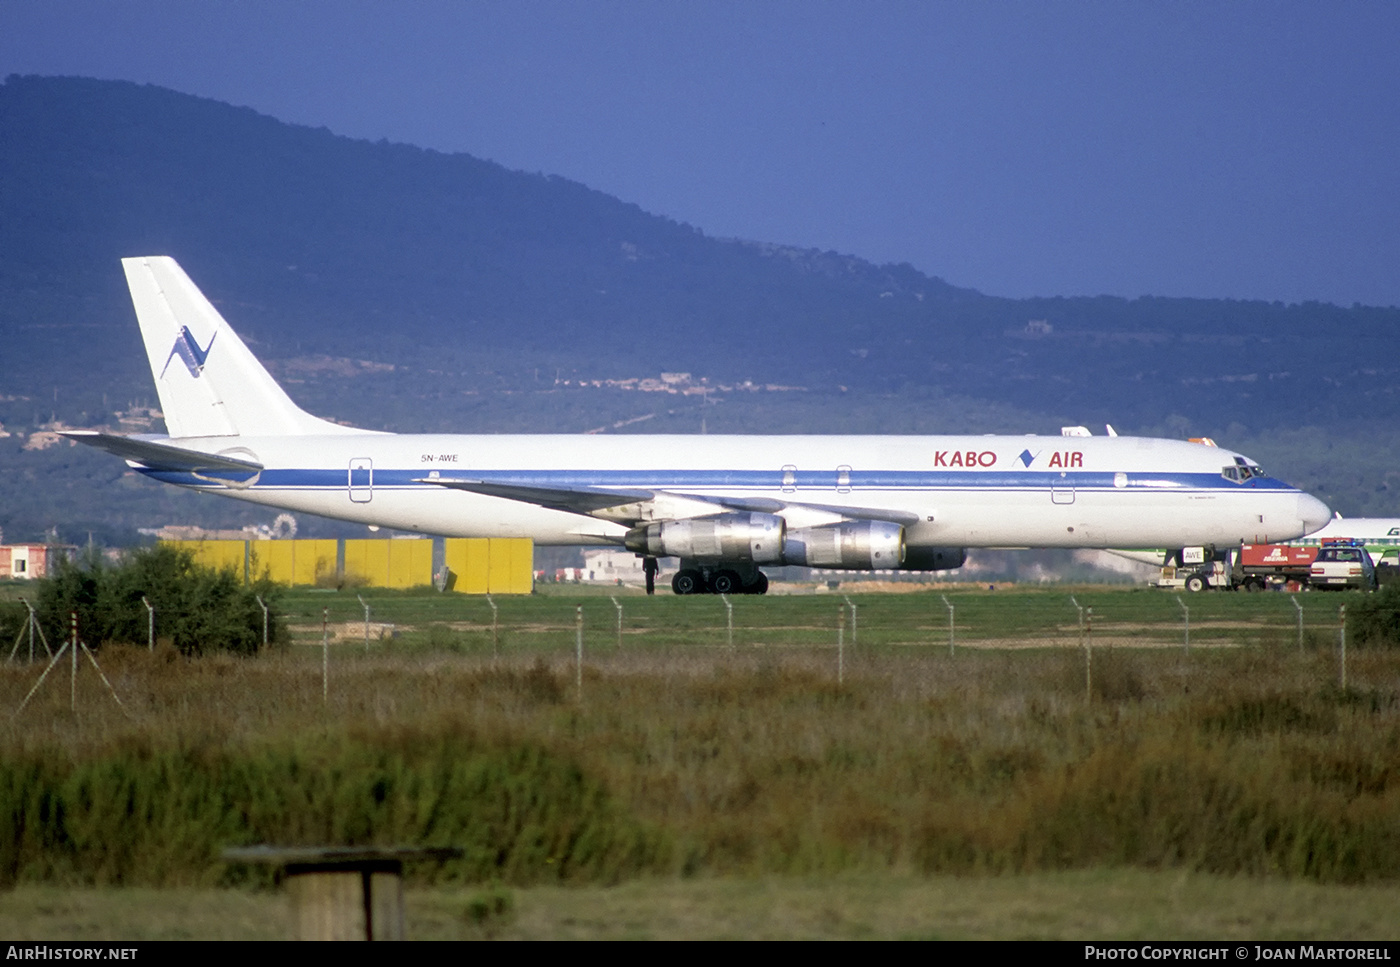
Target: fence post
column 950, row 622
column 841, row 646
column 366, row 607
column 1187, row 611
column 325, row 655
column 31, row 627
column 1088, row 634
column 619, row 621
column 73, row 682
column 150, row 624
column 1294, row 599
column 261, row 604
column 1342, row 634
column 578, row 652
column 855, row 617
column 495, row 647
column 728, row 622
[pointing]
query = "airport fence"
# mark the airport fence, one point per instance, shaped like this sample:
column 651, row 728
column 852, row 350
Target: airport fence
column 921, row 621
column 829, row 632
column 621, row 619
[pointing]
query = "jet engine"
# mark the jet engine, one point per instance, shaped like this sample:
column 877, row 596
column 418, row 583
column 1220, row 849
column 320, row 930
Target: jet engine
column 870, row 545
column 756, row 538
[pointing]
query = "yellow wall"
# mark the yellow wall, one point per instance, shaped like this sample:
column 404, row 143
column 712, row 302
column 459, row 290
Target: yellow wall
column 293, row 562
column 494, row 566
column 410, row 563
column 468, row 558
column 390, row 563
column 369, row 560
column 215, row 554
column 481, row 566
column 512, row 566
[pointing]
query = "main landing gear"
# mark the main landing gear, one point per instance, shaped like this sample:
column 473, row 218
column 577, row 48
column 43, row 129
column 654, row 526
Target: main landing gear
column 696, row 578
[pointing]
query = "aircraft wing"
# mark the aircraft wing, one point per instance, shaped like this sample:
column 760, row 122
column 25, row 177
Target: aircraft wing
column 584, row 500
column 637, row 506
column 159, row 456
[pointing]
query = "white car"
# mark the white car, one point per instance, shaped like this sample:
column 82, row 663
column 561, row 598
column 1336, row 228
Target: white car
column 1343, row 566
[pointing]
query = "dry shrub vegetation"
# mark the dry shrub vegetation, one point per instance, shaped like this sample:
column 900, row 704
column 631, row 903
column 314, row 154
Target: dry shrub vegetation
column 704, row 760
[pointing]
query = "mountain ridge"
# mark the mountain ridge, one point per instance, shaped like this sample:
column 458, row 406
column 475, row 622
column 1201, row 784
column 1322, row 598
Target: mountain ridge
column 487, row 290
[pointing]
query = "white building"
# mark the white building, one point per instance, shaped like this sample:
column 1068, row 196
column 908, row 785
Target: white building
column 613, row 566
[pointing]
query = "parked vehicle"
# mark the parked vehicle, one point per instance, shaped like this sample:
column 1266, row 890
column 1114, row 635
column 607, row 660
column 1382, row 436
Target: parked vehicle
column 1336, row 563
column 1343, row 565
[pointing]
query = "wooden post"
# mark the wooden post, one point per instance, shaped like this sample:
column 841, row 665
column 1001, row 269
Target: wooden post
column 344, row 893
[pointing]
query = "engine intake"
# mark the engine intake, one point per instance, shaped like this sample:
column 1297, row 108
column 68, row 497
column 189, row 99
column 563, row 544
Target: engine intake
column 726, row 537
column 868, row 545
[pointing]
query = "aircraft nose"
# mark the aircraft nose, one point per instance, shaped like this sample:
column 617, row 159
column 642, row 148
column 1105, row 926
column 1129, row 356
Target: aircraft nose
column 1312, row 513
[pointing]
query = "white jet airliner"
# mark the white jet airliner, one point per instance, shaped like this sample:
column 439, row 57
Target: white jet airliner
column 725, row 505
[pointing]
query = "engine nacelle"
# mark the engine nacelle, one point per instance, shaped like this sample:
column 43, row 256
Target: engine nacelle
column 726, row 537
column 867, row 545
column 934, row 558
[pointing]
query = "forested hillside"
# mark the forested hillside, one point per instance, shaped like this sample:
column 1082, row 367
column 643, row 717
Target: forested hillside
column 401, row 288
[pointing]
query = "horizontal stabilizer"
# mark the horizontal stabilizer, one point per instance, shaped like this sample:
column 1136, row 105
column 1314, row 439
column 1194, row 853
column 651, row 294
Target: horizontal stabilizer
column 159, row 456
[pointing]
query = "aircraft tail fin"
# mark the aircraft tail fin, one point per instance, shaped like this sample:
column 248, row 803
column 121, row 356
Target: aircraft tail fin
column 208, row 381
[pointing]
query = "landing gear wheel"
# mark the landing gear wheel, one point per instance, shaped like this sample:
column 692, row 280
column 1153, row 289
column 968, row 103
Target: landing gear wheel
column 725, row 582
column 759, row 585
column 688, row 581
column 1195, row 583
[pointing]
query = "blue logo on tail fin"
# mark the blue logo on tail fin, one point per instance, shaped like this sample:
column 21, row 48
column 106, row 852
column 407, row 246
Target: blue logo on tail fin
column 188, row 350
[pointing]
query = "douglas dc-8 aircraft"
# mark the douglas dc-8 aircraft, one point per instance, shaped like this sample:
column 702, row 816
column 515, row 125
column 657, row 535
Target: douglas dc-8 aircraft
column 725, row 505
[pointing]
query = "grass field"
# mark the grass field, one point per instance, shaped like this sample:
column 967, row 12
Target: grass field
column 810, row 618
column 735, row 762
column 1097, row 904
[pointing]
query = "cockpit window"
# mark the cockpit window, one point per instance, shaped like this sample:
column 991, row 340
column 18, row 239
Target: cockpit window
column 1241, row 471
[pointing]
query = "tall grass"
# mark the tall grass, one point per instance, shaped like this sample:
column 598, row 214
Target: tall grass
column 1238, row 760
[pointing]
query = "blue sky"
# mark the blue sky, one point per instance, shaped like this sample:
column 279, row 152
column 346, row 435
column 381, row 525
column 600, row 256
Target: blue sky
column 1224, row 149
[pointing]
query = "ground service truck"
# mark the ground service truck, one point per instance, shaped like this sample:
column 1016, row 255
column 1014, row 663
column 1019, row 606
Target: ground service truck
column 1335, row 563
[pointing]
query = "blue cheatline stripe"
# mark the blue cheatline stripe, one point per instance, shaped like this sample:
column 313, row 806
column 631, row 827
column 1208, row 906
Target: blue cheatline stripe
column 757, row 480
